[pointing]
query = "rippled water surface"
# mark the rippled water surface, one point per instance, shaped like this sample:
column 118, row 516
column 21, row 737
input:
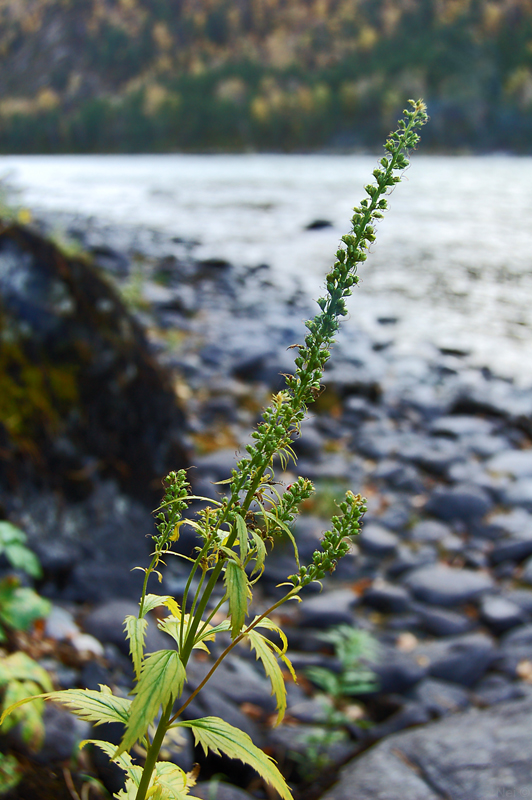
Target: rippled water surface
column 453, row 261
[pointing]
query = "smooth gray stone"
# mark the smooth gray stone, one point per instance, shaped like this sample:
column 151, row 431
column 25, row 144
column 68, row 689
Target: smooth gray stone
column 328, row 609
column 500, row 614
column 441, row 622
column 388, row 598
column 464, row 502
column 445, row 586
column 461, row 425
column 477, row 755
column 429, row 530
column 441, row 697
column 519, row 493
column 377, row 541
column 215, row 790
column 517, row 463
column 460, row 659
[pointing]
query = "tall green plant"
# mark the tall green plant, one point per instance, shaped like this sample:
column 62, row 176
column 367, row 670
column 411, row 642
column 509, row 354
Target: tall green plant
column 234, row 533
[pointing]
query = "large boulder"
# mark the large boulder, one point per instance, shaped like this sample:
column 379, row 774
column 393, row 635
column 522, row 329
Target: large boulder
column 471, row 756
column 89, row 422
column 80, row 394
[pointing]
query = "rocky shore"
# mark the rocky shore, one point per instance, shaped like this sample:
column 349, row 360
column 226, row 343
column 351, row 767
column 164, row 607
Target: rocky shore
column 440, row 578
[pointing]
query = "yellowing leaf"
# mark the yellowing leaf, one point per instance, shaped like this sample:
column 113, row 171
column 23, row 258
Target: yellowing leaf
column 152, row 601
column 161, row 681
column 87, row 704
column 136, row 633
column 238, row 594
column 264, row 650
column 124, row 761
column 29, row 718
column 220, row 737
column 173, row 607
column 19, row 666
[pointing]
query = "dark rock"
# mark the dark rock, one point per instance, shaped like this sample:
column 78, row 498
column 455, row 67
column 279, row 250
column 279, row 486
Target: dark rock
column 106, row 623
column 328, row 609
column 433, row 455
column 461, row 502
column 408, row 559
column 456, row 425
column 388, row 598
column 512, row 550
column 469, row 756
column 526, row 575
column 399, row 475
column 493, row 689
column 216, row 790
column 62, row 734
column 311, row 712
column 429, row 531
column 440, row 622
column 515, row 647
column 441, row 698
column 396, row 672
column 460, row 659
column 237, row 680
column 94, row 400
column 407, row 717
column 318, row 225
column 499, row 614
column 377, row 540
column 444, row 586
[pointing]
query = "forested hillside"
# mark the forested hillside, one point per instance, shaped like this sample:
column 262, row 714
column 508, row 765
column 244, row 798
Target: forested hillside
column 150, row 75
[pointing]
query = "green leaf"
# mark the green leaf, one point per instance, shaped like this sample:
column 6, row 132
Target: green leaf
column 220, row 737
column 10, row 534
column 124, row 761
column 136, row 633
column 261, row 553
column 161, row 681
column 242, row 533
column 94, row 706
column 21, row 607
column 21, row 557
column 19, row 666
column 238, row 594
column 152, row 601
column 29, row 718
column 10, row 773
column 264, row 651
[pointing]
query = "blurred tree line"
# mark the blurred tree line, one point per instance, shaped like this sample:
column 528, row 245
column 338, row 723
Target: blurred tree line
column 158, row 75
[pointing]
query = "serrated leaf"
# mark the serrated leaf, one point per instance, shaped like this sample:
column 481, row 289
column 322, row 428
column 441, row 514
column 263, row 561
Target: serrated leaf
column 21, row 607
column 238, row 595
column 261, row 553
column 19, row 666
column 242, row 533
column 136, row 633
column 173, row 607
column 94, row 706
column 264, row 650
column 172, row 627
column 161, row 681
column 152, row 601
column 220, row 737
column 123, row 761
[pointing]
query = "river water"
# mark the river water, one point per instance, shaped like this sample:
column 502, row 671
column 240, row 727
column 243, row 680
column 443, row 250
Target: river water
column 453, row 260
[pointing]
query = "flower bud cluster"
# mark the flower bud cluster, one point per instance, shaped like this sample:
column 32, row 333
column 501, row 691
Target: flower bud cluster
column 335, row 544
column 292, row 498
column 175, row 501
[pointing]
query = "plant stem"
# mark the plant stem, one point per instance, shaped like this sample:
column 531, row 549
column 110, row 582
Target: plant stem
column 153, row 752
